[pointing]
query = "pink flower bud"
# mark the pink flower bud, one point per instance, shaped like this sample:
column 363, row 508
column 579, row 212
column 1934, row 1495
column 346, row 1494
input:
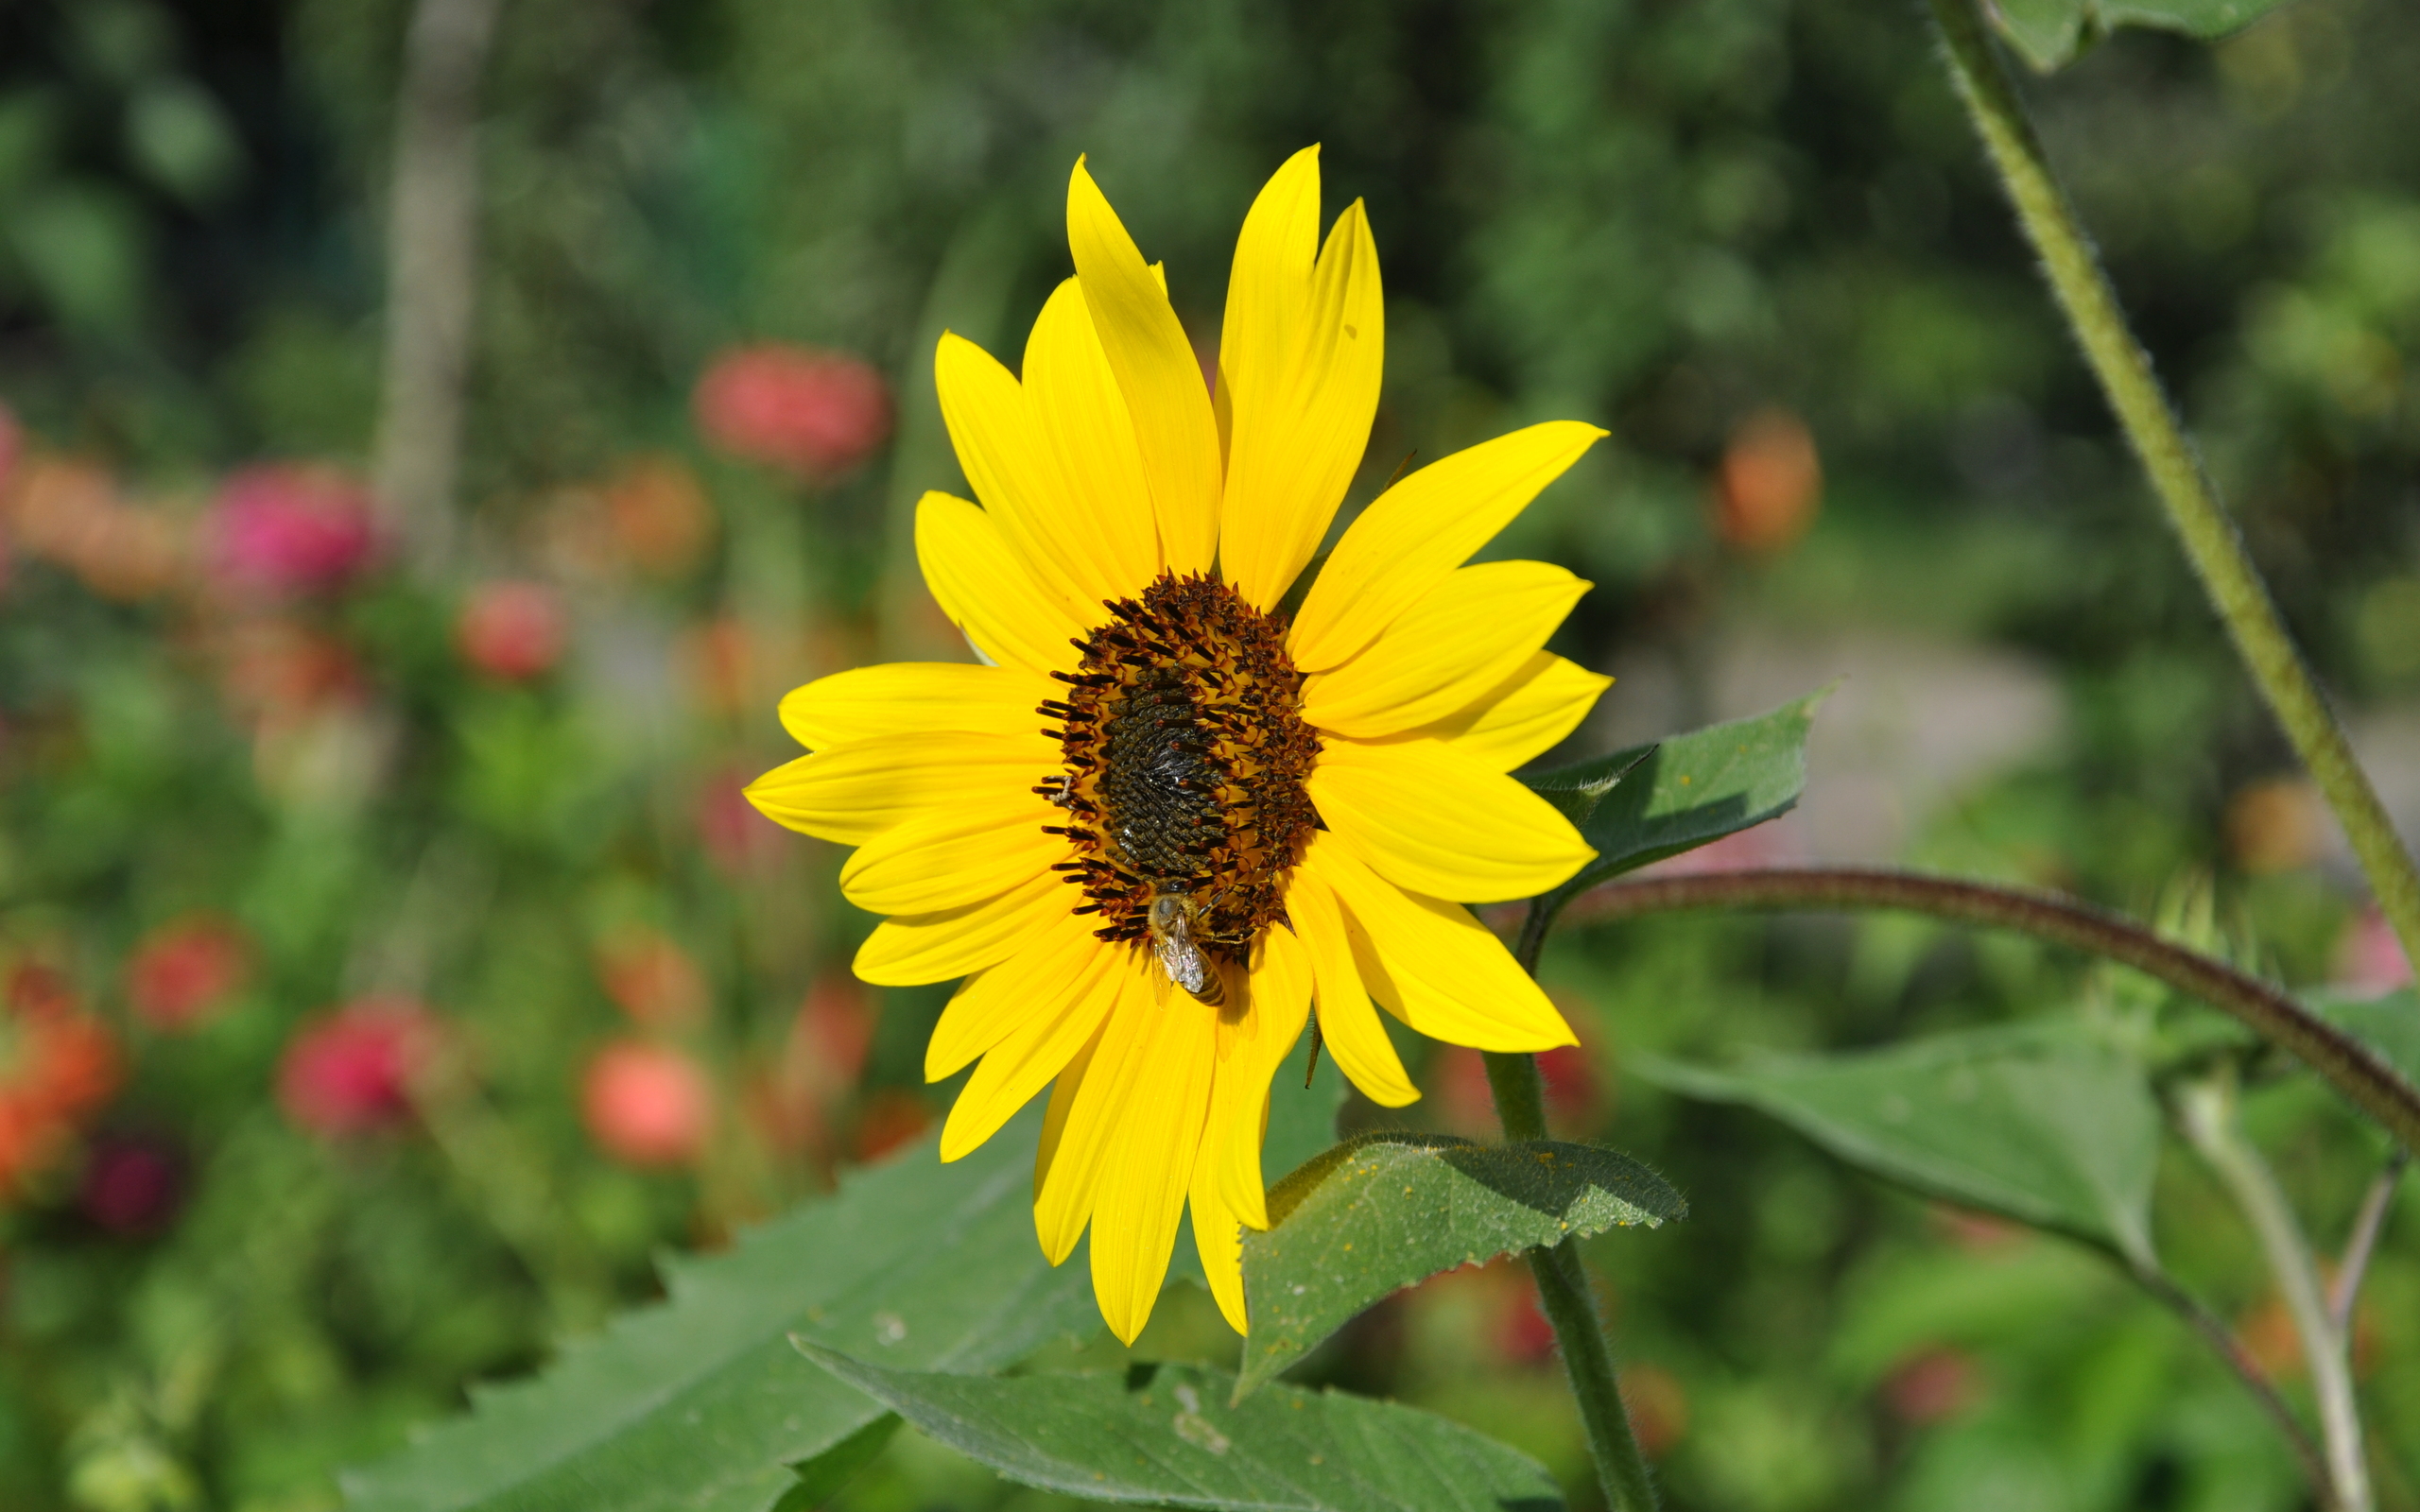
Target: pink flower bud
column 647, row 1104
column 286, row 528
column 512, row 631
column 350, row 1071
column 814, row 413
column 2369, row 959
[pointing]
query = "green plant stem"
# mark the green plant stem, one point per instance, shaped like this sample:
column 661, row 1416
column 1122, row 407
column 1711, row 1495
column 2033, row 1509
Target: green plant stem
column 2207, row 1112
column 2364, row 1241
column 1564, row 1293
column 2209, row 537
column 2371, row 1084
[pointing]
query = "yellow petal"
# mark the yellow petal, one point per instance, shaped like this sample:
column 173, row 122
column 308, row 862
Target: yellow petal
column 1414, row 534
column 954, row 857
column 854, row 792
column 1081, row 1140
column 920, row 948
column 1158, row 373
column 1348, row 1024
column 912, row 698
column 1269, row 288
column 1143, row 1190
column 986, row 594
column 1434, row 966
column 1056, row 1245
column 1218, row 1237
column 1298, row 363
column 1280, row 994
column 1058, row 954
column 1111, row 542
column 1454, row 647
column 1001, row 447
column 1525, row 715
column 1437, row 821
column 1055, row 1010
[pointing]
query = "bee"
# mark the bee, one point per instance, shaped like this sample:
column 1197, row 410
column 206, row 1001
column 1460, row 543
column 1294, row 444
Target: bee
column 1171, row 919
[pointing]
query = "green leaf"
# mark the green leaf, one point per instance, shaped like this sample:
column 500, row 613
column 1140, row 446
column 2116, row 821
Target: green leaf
column 2390, row 1025
column 1576, row 790
column 2044, row 32
column 702, row 1404
column 1384, row 1211
column 2049, row 33
column 1167, row 1435
column 821, row 1479
column 1653, row 802
column 2042, row 1126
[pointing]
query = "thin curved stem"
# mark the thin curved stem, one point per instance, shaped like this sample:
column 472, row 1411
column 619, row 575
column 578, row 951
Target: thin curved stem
column 2364, row 1242
column 1563, row 1294
column 2207, row 1111
column 2211, row 539
column 2371, row 1084
column 2230, row 1350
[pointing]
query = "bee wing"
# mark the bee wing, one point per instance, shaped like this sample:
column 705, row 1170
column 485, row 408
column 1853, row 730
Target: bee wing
column 1181, row 961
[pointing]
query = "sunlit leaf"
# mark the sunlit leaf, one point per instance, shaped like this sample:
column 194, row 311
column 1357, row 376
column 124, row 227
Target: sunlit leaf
column 1167, row 1435
column 1383, row 1211
column 2044, row 1127
column 702, row 1404
column 2047, row 33
column 1642, row 804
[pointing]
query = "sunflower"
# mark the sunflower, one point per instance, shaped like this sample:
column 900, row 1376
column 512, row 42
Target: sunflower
column 1233, row 813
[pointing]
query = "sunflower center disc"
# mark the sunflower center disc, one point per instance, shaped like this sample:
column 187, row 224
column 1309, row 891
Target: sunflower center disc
column 1185, row 758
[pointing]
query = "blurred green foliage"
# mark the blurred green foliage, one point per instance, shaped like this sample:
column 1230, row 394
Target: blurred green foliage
column 1665, row 218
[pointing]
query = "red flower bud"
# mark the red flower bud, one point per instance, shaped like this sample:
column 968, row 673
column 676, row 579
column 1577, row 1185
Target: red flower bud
column 512, row 631
column 814, row 413
column 647, row 1104
column 352, row 1071
column 183, row 971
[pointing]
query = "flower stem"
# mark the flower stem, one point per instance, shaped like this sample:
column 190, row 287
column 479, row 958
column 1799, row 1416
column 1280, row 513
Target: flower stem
column 2370, row 1083
column 2208, row 536
column 1564, row 1293
column 2207, row 1111
column 2364, row 1240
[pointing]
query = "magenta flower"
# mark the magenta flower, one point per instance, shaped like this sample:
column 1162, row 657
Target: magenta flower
column 286, row 529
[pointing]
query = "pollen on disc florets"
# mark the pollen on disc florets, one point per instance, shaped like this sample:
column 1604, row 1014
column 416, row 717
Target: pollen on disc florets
column 1185, row 759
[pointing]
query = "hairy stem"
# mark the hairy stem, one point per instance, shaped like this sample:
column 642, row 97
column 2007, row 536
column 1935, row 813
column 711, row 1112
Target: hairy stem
column 2363, row 1242
column 2207, row 1112
column 2208, row 536
column 2371, row 1084
column 1563, row 1294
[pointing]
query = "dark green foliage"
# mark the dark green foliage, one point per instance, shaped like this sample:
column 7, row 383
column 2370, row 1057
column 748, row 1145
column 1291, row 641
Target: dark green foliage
column 701, row 1403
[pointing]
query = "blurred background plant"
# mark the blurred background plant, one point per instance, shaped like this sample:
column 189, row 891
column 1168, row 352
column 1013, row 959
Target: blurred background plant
column 388, row 964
